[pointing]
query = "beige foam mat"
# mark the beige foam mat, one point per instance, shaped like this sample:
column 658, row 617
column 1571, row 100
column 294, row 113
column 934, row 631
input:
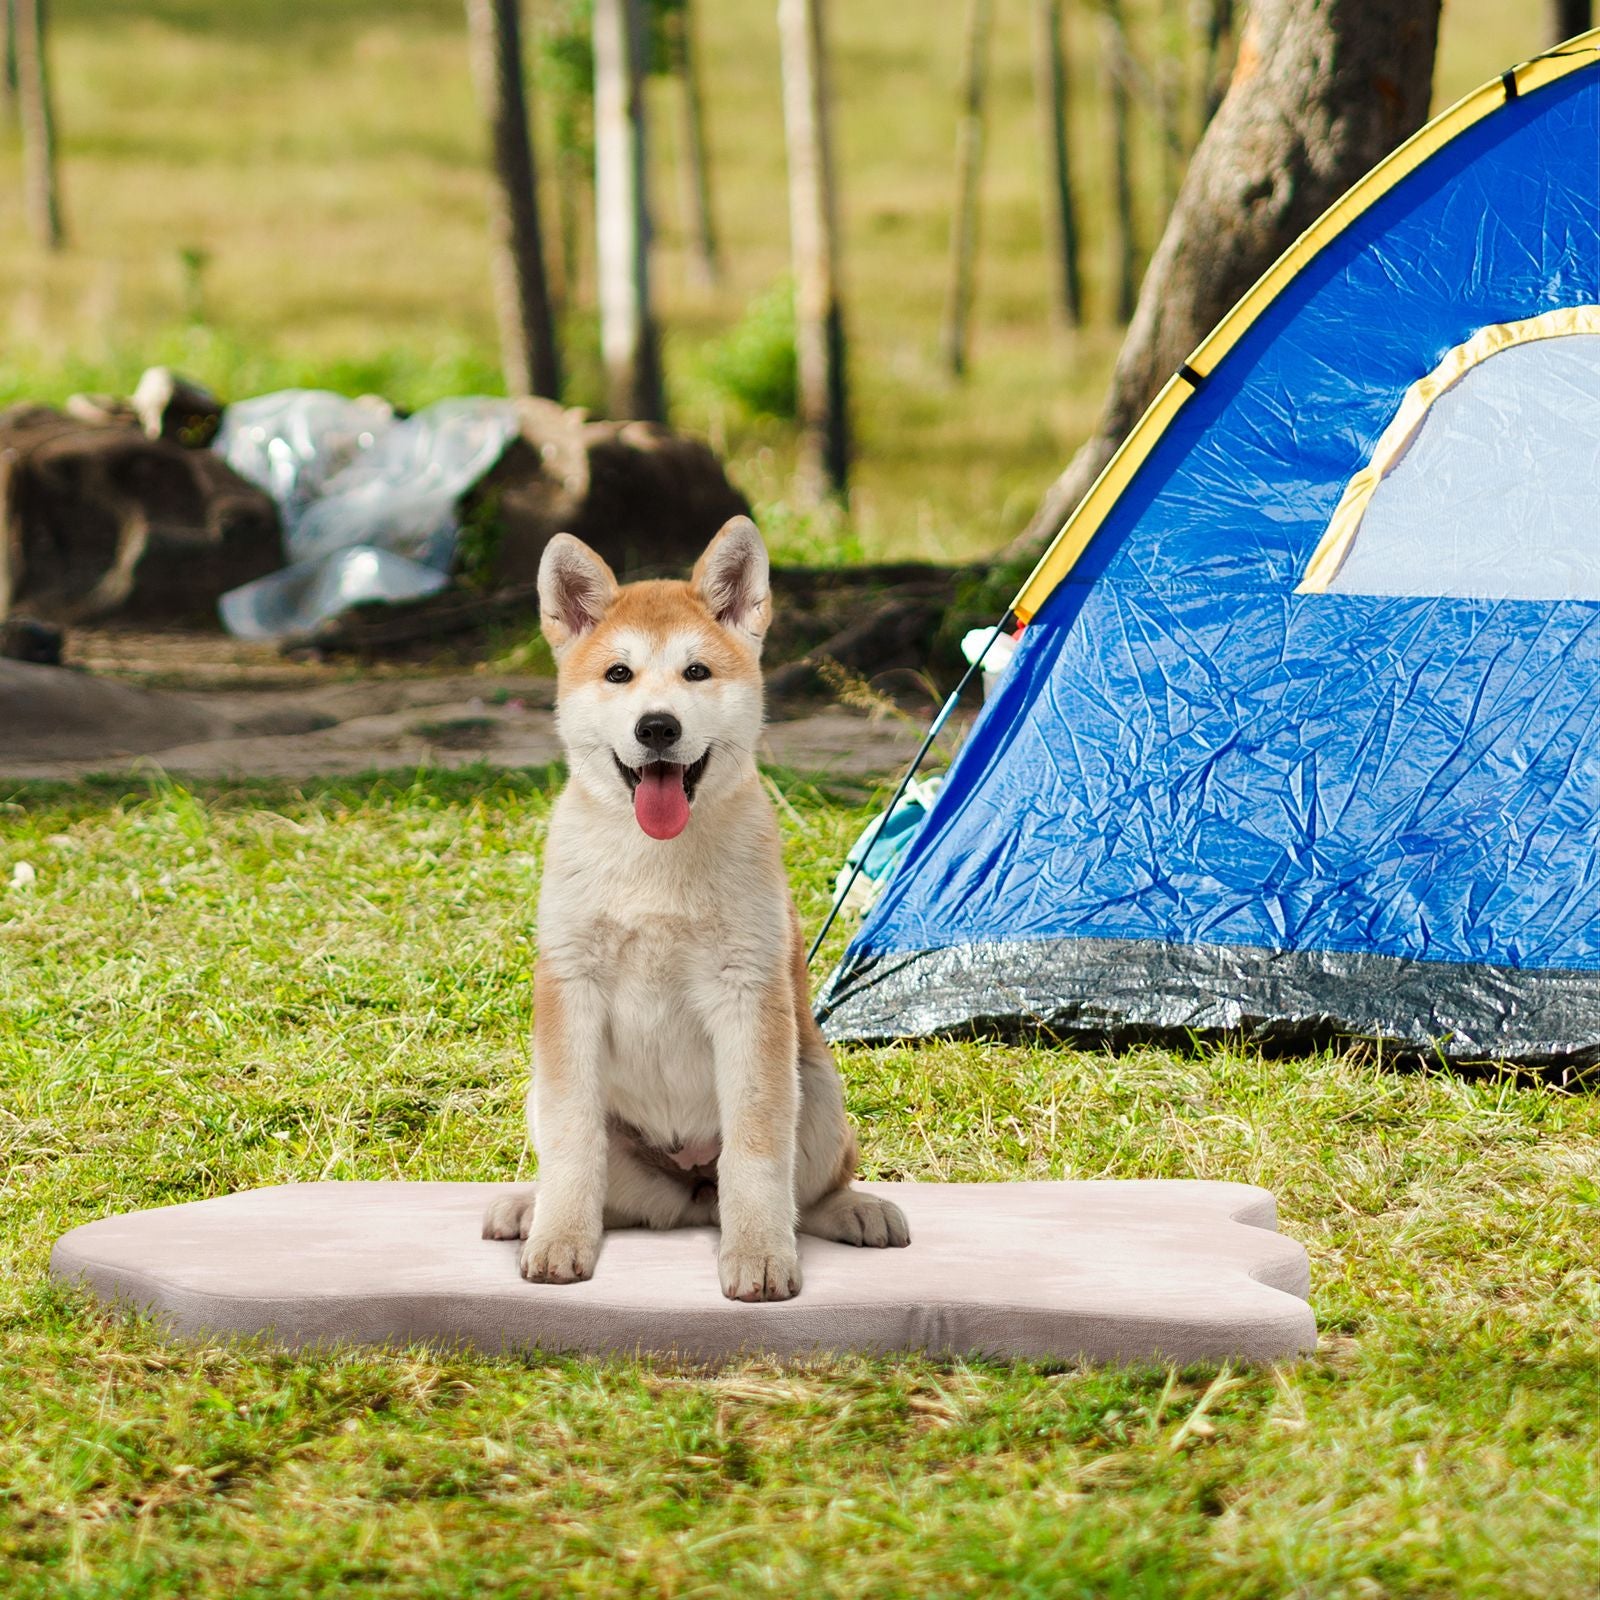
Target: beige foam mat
column 1123, row 1271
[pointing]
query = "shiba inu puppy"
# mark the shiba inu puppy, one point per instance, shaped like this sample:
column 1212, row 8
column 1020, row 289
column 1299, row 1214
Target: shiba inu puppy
column 678, row 1075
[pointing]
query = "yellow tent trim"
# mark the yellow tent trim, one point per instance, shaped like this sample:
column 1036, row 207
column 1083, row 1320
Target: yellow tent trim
column 1335, row 544
column 1085, row 522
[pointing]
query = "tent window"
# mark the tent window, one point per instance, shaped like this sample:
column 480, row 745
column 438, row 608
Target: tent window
column 1486, row 485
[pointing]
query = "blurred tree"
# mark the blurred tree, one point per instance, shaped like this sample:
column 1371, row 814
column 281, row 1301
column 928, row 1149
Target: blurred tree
column 1321, row 92
column 1169, row 91
column 1213, row 79
column 628, row 343
column 8, row 65
column 35, row 106
column 529, row 356
column 1050, row 88
column 676, row 20
column 1119, row 75
column 564, row 51
column 969, row 180
column 1570, row 17
column 819, row 315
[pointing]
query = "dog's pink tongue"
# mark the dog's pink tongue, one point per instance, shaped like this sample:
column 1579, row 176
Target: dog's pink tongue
column 659, row 803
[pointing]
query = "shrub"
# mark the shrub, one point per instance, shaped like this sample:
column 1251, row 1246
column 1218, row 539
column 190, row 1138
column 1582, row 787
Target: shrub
column 753, row 364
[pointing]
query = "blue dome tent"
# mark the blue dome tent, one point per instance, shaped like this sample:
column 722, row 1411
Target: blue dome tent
column 1302, row 734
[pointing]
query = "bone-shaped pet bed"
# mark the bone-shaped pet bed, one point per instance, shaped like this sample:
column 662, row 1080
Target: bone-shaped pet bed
column 1105, row 1271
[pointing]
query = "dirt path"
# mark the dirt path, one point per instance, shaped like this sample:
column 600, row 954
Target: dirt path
column 207, row 707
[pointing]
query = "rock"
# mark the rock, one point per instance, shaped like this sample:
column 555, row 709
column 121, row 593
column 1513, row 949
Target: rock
column 49, row 714
column 646, row 498
column 896, row 632
column 23, row 639
column 101, row 409
column 171, row 407
column 97, row 519
column 390, row 627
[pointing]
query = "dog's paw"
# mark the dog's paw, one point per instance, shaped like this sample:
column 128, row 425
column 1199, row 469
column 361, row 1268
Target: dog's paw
column 509, row 1216
column 859, row 1219
column 565, row 1258
column 755, row 1274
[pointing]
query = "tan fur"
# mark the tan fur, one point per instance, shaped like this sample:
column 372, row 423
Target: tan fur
column 671, row 997
column 547, row 1020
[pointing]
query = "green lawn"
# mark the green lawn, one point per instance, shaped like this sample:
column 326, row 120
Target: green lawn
column 229, row 987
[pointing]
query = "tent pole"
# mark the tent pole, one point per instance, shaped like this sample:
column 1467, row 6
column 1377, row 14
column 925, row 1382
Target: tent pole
column 1004, row 625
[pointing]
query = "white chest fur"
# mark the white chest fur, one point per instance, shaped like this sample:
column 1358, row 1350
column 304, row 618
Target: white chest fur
column 662, row 932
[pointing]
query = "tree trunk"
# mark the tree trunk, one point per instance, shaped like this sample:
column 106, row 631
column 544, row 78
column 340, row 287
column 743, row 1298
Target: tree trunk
column 1322, row 91
column 819, row 317
column 622, row 214
column 574, row 212
column 1570, row 17
column 1050, row 89
column 529, row 356
column 8, row 67
column 1169, row 89
column 696, row 160
column 1213, row 79
column 969, row 180
column 1118, row 76
column 38, row 123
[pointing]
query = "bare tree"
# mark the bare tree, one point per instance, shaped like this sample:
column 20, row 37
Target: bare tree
column 1119, row 74
column 819, row 316
column 1169, row 88
column 1213, row 82
column 8, row 60
column 696, row 158
column 622, row 214
column 1050, row 89
column 1303, row 120
column 34, row 104
column 528, row 352
column 969, row 181
column 1570, row 17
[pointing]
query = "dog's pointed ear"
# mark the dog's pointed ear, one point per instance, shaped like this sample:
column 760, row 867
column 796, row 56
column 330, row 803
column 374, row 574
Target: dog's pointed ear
column 731, row 580
column 575, row 590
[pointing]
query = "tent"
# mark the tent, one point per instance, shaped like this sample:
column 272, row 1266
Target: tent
column 1302, row 734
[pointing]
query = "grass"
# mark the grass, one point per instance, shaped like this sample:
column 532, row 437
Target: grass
column 279, row 192
column 230, row 986
column 211, row 989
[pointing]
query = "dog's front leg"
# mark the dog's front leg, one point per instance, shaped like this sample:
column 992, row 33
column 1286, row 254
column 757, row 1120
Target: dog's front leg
column 758, row 1102
column 566, row 1122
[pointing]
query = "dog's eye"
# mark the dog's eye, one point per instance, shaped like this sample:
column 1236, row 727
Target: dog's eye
column 617, row 673
column 697, row 672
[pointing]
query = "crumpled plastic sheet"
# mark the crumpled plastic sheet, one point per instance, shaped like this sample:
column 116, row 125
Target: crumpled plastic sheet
column 1184, row 752
column 295, row 598
column 349, row 475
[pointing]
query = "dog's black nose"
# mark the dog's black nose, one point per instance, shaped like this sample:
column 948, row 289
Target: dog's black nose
column 658, row 729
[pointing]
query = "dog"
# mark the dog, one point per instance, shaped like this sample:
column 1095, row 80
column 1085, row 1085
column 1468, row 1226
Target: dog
column 679, row 1077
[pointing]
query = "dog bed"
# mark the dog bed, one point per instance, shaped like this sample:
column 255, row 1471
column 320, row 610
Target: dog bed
column 1104, row 1271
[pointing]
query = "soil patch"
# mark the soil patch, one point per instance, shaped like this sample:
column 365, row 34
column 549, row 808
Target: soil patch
column 202, row 705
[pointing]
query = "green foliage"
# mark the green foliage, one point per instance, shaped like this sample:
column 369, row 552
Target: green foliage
column 410, row 373
column 522, row 649
column 243, row 984
column 753, row 364
column 192, row 262
column 478, row 544
column 565, row 70
column 808, row 536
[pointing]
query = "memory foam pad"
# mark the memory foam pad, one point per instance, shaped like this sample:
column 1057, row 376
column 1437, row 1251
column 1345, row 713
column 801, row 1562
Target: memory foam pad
column 1105, row 1271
